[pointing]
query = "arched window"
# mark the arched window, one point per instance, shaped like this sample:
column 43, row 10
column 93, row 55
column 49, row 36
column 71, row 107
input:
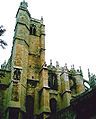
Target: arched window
column 32, row 29
column 52, row 81
column 53, row 105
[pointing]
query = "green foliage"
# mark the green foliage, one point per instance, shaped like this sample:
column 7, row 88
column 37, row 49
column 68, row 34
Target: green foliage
column 2, row 42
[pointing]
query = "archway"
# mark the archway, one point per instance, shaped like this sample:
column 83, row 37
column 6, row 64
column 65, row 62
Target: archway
column 53, row 105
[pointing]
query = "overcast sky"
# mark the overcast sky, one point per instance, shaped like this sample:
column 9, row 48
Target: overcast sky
column 70, row 30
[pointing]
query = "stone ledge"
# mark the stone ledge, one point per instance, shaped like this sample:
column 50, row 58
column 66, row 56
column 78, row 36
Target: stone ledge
column 66, row 91
column 54, row 92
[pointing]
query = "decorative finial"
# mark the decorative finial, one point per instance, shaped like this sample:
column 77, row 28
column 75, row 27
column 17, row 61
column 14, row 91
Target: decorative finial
column 81, row 71
column 88, row 73
column 66, row 64
column 50, row 61
column 65, row 68
column 57, row 64
column 72, row 66
column 42, row 18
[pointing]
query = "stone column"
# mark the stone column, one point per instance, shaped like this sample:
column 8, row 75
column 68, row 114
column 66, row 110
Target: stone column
column 79, row 83
column 66, row 93
column 44, row 90
column 42, row 43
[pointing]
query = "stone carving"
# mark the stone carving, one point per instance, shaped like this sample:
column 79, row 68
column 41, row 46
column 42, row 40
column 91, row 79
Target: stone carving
column 15, row 92
column 52, row 81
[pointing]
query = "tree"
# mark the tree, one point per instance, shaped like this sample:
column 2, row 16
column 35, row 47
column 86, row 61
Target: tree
column 2, row 42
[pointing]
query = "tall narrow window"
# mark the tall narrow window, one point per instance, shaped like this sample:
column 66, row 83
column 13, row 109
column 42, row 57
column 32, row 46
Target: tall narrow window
column 30, row 30
column 29, row 107
column 52, row 81
column 53, row 105
column 33, row 30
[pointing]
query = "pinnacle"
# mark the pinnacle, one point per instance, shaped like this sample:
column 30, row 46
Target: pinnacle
column 24, row 4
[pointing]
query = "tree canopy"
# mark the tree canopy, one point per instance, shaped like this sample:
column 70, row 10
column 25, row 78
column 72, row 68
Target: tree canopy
column 2, row 42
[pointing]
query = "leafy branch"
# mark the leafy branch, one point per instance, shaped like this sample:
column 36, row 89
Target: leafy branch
column 2, row 42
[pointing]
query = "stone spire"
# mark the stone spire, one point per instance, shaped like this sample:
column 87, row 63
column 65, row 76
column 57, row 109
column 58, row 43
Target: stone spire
column 57, row 64
column 41, row 19
column 51, row 63
column 81, row 71
column 65, row 68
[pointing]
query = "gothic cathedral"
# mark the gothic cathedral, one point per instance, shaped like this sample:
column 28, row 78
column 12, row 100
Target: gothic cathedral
column 29, row 88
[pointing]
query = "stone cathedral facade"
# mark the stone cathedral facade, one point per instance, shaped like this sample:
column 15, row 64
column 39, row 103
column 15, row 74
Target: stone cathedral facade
column 29, row 88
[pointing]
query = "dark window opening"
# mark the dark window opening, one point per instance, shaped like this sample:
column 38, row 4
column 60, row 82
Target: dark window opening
column 33, row 30
column 13, row 113
column 17, row 74
column 1, row 117
column 53, row 105
column 29, row 107
column 52, row 81
column 23, row 115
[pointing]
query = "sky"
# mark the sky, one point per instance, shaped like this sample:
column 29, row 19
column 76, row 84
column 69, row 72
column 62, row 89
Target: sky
column 70, row 27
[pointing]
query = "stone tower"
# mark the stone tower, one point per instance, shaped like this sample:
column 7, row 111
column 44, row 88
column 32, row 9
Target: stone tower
column 28, row 56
